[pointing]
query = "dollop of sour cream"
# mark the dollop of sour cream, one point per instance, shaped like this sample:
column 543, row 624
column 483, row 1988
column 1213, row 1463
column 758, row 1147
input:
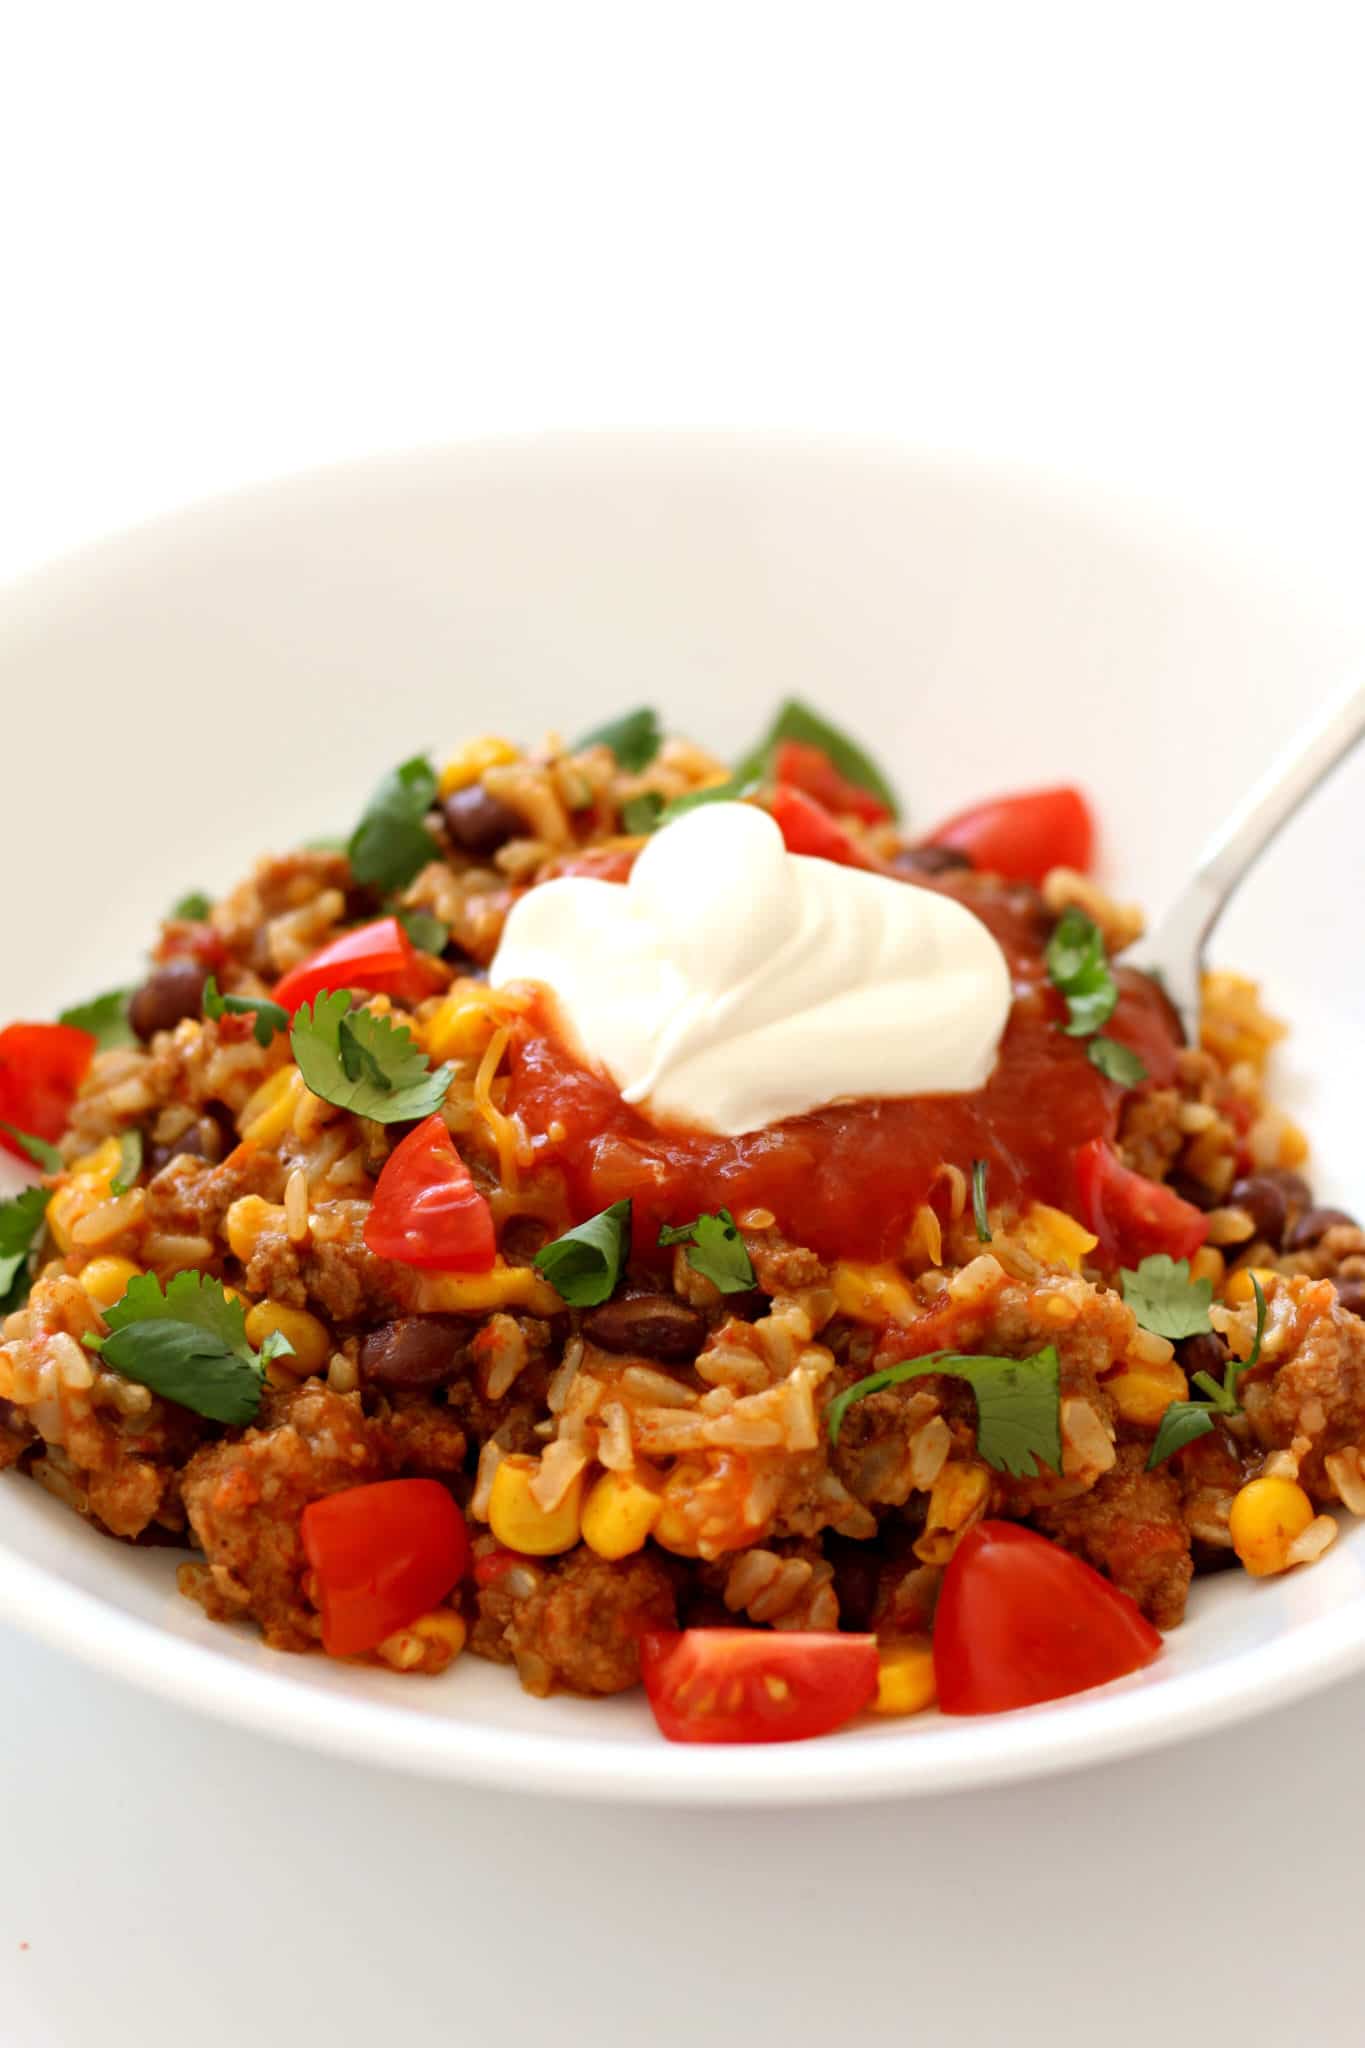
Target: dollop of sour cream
column 730, row 984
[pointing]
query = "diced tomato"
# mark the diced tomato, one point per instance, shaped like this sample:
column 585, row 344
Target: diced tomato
column 755, row 1685
column 426, row 1209
column 1021, row 837
column 1131, row 1215
column 1020, row 1620
column 41, row 1070
column 495, row 1564
column 378, row 957
column 809, row 768
column 807, row 827
column 381, row 1556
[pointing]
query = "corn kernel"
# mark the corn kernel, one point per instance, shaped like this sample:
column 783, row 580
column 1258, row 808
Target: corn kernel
column 1264, row 1520
column 1143, row 1393
column 311, row 1342
column 957, row 1497
column 106, row 1279
column 517, row 1519
column 905, row 1681
column 459, row 1028
column 247, row 1222
column 1239, row 1290
column 501, row 1286
column 1208, row 1263
column 872, row 1293
column 619, row 1513
column 674, row 1530
column 1056, row 1238
column 269, row 1113
column 443, row 1625
column 101, row 1164
column 469, row 762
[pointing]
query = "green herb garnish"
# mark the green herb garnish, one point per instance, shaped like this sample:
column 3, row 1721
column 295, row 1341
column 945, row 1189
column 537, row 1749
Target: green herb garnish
column 585, row 1264
column 391, row 842
column 1183, row 1421
column 634, row 739
column 39, row 1151
column 1116, row 1062
column 129, row 1163
column 189, row 1345
column 427, row 933
column 715, row 1249
column 365, row 1063
column 1164, row 1299
column 979, row 1210
column 643, row 812
column 21, row 1226
column 104, row 1017
column 1079, row 968
column 270, row 1017
column 1018, row 1405
column 796, row 721
column 733, row 790
column 194, row 907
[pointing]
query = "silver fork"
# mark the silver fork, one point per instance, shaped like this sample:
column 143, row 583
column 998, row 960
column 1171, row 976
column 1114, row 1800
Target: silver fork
column 1176, row 948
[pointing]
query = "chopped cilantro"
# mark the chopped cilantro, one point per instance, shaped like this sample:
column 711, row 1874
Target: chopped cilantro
column 715, row 1249
column 796, row 721
column 1164, row 1299
column 1018, row 1405
column 427, row 933
column 733, row 790
column 270, row 1017
column 1079, row 968
column 21, row 1226
column 194, row 907
column 979, row 1210
column 1116, row 1062
column 634, row 739
column 365, row 1063
column 585, row 1264
column 391, row 841
column 39, row 1151
column 643, row 812
column 104, row 1017
column 188, row 1345
column 129, row 1163
column 1183, row 1421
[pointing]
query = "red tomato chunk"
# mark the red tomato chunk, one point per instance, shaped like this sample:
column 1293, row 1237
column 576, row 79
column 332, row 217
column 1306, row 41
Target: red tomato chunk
column 41, row 1070
column 1021, row 837
column 755, row 1685
column 379, row 958
column 426, row 1209
column 381, row 1556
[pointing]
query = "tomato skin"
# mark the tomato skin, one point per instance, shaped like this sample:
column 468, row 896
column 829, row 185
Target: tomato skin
column 809, row 768
column 808, row 828
column 1021, row 837
column 378, row 957
column 1020, row 1620
column 1131, row 1215
column 709, row 1684
column 426, row 1209
column 41, row 1070
column 381, row 1556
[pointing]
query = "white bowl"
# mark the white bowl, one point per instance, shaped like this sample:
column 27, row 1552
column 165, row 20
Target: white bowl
column 235, row 678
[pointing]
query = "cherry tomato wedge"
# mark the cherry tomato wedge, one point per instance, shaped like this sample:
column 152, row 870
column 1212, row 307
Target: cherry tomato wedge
column 807, row 827
column 1020, row 1620
column 41, row 1070
column 809, row 768
column 755, row 1685
column 1131, row 1215
column 381, row 1556
column 378, row 957
column 426, row 1210
column 1021, row 837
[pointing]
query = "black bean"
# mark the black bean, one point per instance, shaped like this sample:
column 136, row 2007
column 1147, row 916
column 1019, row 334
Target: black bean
column 1314, row 1224
column 928, row 860
column 1191, row 1190
column 1297, row 1192
column 1205, row 1353
column 654, row 1325
column 1351, row 1295
column 168, row 994
column 1265, row 1202
column 479, row 822
column 203, row 1140
column 413, row 1351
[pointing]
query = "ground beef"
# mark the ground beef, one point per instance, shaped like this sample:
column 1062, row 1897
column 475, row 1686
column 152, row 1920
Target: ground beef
column 579, row 1625
column 244, row 1497
column 190, row 1197
column 1317, row 1388
column 337, row 1274
column 427, row 1441
column 1130, row 1527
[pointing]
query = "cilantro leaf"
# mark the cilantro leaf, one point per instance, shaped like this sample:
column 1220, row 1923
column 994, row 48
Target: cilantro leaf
column 129, row 1163
column 270, row 1017
column 733, row 790
column 39, row 1151
column 194, row 907
column 585, row 1264
column 979, row 1211
column 1018, row 1404
column 634, row 738
column 365, row 1063
column 1079, row 968
column 104, row 1017
column 391, row 843
column 188, row 1345
column 1181, row 1424
column 1164, row 1299
column 716, row 1250
column 1116, row 1062
column 796, row 721
column 427, row 933
column 643, row 812
column 21, row 1226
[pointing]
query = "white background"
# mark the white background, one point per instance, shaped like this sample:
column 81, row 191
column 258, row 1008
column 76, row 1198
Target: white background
column 1123, row 242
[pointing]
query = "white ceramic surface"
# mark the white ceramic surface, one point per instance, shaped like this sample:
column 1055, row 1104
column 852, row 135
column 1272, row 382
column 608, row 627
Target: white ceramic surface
column 197, row 690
